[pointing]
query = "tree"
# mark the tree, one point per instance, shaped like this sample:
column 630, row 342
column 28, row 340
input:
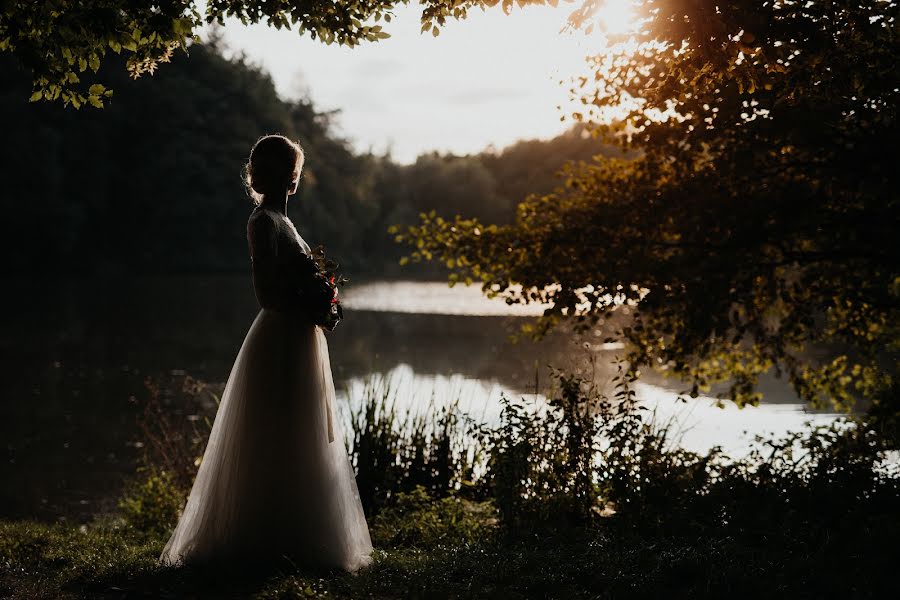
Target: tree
column 173, row 175
column 62, row 41
column 754, row 227
column 153, row 181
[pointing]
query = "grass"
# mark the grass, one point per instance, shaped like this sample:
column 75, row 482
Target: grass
column 437, row 556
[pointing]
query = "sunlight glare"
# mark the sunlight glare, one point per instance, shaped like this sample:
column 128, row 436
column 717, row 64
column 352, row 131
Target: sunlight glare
column 617, row 17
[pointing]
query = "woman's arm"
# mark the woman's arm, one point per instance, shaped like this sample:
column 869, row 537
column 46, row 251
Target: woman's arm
column 268, row 278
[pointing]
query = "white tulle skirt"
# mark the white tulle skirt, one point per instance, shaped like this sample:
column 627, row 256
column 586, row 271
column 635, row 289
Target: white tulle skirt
column 275, row 479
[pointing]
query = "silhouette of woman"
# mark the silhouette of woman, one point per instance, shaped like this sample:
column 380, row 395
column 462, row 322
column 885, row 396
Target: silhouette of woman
column 275, row 479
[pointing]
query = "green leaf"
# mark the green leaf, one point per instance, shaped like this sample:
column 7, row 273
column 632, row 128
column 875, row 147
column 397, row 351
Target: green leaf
column 36, row 96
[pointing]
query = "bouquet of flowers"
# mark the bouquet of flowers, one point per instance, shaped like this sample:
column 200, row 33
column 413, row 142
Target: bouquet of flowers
column 318, row 289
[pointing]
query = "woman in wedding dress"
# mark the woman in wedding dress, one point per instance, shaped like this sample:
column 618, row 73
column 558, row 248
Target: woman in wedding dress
column 275, row 479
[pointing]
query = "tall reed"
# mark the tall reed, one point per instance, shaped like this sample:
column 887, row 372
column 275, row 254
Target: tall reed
column 396, row 450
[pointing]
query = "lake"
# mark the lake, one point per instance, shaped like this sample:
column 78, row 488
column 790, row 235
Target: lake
column 75, row 354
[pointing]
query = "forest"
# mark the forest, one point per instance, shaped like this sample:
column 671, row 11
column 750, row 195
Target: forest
column 104, row 208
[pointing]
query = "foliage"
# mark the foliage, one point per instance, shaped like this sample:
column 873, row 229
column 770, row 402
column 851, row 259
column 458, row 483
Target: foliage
column 571, row 461
column 531, row 167
column 174, row 426
column 162, row 193
column 60, row 42
column 585, row 454
column 541, row 459
column 393, row 451
column 808, row 516
column 751, row 230
column 396, row 451
column 487, row 185
column 153, row 502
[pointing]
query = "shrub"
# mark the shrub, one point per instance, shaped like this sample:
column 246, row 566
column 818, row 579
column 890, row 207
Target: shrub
column 175, row 424
column 568, row 461
column 153, row 502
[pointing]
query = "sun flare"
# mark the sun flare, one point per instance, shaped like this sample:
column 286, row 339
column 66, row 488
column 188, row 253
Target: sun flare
column 617, row 17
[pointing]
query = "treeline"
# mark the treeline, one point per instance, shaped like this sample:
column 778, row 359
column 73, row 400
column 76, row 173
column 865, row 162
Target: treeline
column 152, row 183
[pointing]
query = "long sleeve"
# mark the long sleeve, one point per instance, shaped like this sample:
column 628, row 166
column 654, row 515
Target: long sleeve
column 269, row 282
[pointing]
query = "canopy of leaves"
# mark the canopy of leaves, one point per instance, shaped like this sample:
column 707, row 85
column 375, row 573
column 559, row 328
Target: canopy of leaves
column 62, row 42
column 754, row 228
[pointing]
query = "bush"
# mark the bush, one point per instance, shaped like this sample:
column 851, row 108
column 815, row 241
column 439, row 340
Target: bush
column 571, row 461
column 153, row 502
column 175, row 424
column 583, row 456
column 556, row 463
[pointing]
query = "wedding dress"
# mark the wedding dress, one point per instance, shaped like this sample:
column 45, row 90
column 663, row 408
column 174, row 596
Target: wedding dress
column 275, row 479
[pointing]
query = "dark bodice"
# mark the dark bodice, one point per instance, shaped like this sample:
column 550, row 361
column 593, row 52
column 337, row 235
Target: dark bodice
column 276, row 253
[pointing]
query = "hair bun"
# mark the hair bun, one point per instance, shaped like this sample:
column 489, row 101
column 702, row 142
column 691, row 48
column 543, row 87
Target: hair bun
column 275, row 164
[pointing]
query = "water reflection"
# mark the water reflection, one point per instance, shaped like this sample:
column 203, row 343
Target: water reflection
column 699, row 424
column 434, row 298
column 415, row 350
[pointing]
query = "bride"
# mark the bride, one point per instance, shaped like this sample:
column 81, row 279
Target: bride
column 275, row 479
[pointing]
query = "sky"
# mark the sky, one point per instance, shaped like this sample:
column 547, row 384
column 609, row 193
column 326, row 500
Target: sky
column 489, row 80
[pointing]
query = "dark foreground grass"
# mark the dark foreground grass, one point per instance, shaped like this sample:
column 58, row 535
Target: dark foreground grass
column 586, row 499
column 453, row 549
